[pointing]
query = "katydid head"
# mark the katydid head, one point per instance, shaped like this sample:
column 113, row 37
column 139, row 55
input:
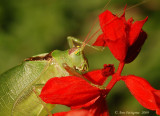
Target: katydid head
column 78, row 59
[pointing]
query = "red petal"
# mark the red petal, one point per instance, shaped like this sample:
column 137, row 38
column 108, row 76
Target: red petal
column 100, row 41
column 123, row 15
column 130, row 21
column 95, row 77
column 134, row 50
column 80, row 112
column 68, row 91
column 135, row 30
column 60, row 114
column 99, row 108
column 157, row 98
column 143, row 92
column 99, row 76
column 112, row 26
column 118, row 48
column 106, row 17
column 85, row 105
column 115, row 31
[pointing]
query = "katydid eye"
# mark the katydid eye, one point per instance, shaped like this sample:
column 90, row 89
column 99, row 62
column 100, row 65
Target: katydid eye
column 77, row 52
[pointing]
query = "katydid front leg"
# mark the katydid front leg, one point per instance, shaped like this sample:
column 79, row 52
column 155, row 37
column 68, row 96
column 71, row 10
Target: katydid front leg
column 72, row 72
column 72, row 40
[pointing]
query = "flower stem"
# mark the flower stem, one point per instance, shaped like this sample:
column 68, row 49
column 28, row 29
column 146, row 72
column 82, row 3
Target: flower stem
column 115, row 77
column 120, row 68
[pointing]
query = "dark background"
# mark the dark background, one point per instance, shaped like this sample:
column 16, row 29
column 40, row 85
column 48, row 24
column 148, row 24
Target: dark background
column 30, row 27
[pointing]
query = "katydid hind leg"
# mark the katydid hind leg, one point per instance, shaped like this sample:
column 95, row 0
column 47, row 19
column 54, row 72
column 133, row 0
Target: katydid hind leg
column 27, row 104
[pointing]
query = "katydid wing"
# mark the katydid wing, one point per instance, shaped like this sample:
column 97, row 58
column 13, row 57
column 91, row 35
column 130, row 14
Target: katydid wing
column 16, row 85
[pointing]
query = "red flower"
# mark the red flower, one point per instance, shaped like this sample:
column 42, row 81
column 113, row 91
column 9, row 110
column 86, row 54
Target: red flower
column 123, row 38
column 76, row 93
column 146, row 95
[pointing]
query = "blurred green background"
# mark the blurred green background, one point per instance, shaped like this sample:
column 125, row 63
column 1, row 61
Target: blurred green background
column 30, row 27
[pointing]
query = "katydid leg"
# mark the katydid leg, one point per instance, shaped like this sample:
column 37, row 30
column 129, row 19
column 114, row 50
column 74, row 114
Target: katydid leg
column 35, row 90
column 72, row 72
column 72, row 40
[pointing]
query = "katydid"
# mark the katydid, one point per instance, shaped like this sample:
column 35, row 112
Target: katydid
column 16, row 85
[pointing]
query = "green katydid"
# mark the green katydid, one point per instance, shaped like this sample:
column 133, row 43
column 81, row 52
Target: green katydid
column 17, row 84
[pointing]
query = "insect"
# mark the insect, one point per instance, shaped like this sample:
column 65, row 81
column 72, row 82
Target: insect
column 17, row 84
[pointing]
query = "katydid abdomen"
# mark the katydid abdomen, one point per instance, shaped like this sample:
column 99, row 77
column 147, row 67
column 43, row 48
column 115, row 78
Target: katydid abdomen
column 16, row 85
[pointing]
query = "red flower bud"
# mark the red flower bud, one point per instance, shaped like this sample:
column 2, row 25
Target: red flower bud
column 108, row 70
